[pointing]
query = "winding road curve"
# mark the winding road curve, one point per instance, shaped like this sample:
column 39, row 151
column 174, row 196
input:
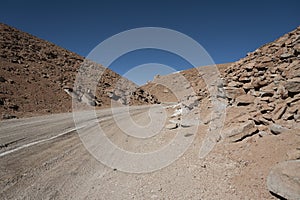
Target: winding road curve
column 44, row 158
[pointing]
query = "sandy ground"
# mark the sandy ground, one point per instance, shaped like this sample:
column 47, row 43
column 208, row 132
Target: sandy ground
column 52, row 166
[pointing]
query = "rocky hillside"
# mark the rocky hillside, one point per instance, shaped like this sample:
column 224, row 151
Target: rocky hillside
column 262, row 97
column 265, row 87
column 263, row 93
column 171, row 87
column 37, row 77
column 262, row 90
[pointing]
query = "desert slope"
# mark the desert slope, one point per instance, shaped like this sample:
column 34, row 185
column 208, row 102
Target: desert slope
column 35, row 72
column 262, row 115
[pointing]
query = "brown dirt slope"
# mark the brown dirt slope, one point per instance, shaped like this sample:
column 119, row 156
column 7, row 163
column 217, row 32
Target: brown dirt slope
column 166, row 87
column 262, row 95
column 34, row 73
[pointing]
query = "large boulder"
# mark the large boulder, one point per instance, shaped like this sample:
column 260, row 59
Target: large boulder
column 284, row 180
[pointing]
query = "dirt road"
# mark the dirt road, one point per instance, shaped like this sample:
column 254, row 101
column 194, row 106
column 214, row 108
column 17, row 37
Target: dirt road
column 44, row 158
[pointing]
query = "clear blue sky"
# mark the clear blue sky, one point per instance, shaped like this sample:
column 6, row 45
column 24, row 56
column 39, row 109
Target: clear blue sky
column 226, row 29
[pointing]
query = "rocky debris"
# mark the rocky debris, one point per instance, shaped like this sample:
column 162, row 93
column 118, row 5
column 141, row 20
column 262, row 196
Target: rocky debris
column 141, row 95
column 190, row 102
column 261, row 94
column 267, row 81
column 284, row 180
column 177, row 112
column 90, row 100
column 8, row 116
column 14, row 107
column 83, row 96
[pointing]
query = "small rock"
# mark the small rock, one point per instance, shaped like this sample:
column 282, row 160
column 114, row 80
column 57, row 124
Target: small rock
column 264, row 99
column 261, row 120
column 266, row 59
column 8, row 116
column 284, row 179
column 11, row 81
column 233, row 92
column 282, row 92
column 277, row 129
column 288, row 116
column 286, row 56
column 297, row 47
column 266, row 108
column 259, row 83
column 248, row 86
column 239, row 131
column 297, row 117
column 2, row 80
column 245, row 99
column 234, row 84
column 188, row 135
column 293, row 85
column 282, row 67
column 14, row 107
column 172, row 126
column 262, row 133
column 267, row 117
column 280, row 112
column 249, row 66
column 292, row 100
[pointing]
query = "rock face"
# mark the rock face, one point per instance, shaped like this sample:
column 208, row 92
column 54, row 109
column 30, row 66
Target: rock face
column 284, row 179
column 37, row 77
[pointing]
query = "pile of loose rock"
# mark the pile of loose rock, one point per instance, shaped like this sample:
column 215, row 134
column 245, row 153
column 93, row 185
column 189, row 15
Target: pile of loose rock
column 263, row 89
column 140, row 96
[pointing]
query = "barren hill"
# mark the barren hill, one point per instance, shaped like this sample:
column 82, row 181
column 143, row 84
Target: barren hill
column 263, row 87
column 36, row 75
column 163, row 87
column 262, row 97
